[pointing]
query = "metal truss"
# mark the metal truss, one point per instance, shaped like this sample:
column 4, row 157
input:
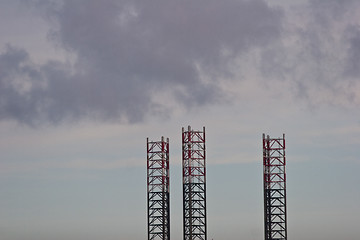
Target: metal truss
column 158, row 189
column 274, row 188
column 194, row 184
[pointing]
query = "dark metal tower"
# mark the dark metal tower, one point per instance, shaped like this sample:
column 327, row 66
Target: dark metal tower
column 158, row 187
column 274, row 188
column 194, row 184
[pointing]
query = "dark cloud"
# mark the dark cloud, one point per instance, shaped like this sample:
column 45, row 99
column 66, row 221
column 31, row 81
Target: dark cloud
column 353, row 60
column 129, row 53
column 20, row 86
column 319, row 52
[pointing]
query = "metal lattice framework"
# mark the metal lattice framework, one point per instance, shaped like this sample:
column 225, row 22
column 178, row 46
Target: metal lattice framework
column 158, row 189
column 194, row 184
column 274, row 188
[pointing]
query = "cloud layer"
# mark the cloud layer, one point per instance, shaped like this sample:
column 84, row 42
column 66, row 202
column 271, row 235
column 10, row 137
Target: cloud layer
column 319, row 53
column 138, row 58
column 133, row 58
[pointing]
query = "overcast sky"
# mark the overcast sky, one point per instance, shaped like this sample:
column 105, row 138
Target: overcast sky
column 83, row 83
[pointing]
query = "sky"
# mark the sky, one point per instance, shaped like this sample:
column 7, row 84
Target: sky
column 83, row 83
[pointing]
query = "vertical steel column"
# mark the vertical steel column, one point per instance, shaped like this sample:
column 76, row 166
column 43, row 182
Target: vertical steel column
column 194, row 184
column 274, row 188
column 158, row 188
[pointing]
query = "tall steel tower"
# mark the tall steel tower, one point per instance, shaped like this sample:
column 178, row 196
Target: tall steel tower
column 158, row 189
column 274, row 188
column 194, row 184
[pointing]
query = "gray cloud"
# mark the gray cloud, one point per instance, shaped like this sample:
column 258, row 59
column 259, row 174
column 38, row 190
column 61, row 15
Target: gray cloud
column 20, row 86
column 319, row 52
column 129, row 53
column 140, row 58
column 353, row 60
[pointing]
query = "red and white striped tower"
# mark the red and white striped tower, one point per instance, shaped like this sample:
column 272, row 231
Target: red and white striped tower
column 158, row 189
column 194, row 184
column 274, row 162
